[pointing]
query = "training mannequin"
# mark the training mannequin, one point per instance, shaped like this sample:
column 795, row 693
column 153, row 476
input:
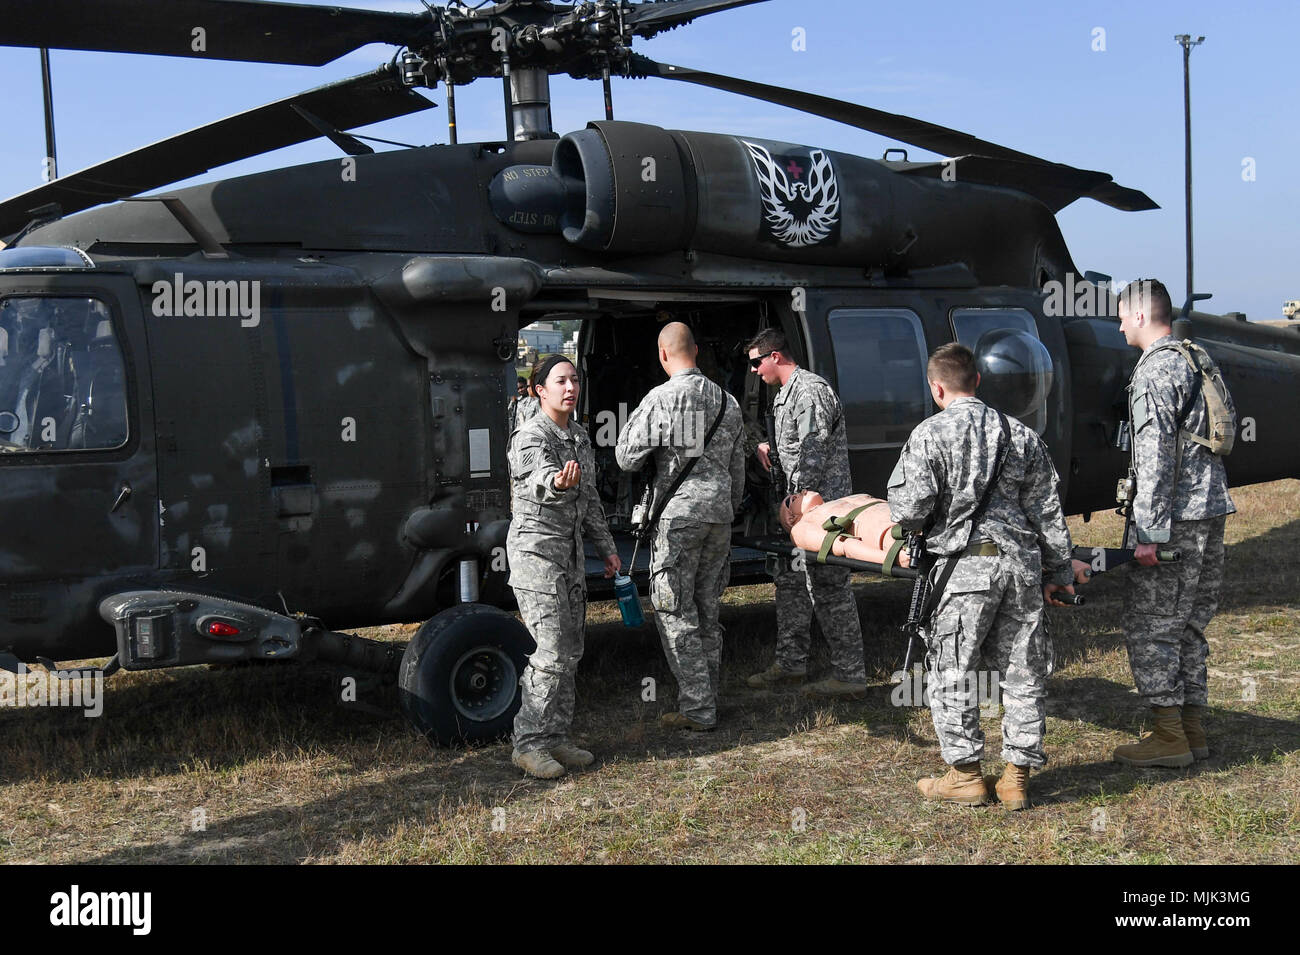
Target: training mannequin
column 871, row 531
column 868, row 537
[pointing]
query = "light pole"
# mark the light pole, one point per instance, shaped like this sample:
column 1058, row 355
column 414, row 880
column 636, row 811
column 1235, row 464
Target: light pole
column 1186, row 42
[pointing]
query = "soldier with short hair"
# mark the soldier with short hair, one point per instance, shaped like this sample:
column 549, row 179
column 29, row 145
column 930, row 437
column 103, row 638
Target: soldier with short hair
column 525, row 404
column 1181, row 502
column 987, row 483
column 813, row 453
column 691, row 557
column 553, row 476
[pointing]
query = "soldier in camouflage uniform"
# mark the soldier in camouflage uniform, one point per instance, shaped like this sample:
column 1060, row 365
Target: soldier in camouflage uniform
column 553, row 476
column 691, row 558
column 812, row 452
column 1179, row 504
column 1015, row 555
column 525, row 404
column 521, row 392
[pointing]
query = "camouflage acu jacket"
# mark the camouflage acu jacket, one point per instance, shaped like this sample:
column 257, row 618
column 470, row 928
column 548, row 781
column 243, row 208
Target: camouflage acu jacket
column 945, row 466
column 670, row 424
column 546, row 527
column 521, row 409
column 1163, row 384
column 811, row 441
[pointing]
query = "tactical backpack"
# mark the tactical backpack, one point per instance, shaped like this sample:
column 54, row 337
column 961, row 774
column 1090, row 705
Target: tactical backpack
column 1220, row 421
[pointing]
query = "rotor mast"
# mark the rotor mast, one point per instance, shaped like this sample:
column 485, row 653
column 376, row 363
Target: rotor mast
column 530, row 104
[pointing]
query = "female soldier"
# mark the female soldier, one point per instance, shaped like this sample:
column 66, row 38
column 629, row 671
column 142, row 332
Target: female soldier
column 553, row 478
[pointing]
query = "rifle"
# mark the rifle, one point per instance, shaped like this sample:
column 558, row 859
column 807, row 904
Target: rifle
column 641, row 523
column 1103, row 559
column 921, row 563
column 776, row 476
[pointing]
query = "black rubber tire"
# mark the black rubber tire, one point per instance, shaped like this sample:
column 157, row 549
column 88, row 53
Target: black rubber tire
column 459, row 679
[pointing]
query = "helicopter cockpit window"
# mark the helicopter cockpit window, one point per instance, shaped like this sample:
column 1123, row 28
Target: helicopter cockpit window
column 880, row 364
column 1015, row 367
column 62, row 380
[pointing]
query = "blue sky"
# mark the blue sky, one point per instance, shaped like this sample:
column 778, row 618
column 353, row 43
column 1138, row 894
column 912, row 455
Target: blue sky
column 1023, row 74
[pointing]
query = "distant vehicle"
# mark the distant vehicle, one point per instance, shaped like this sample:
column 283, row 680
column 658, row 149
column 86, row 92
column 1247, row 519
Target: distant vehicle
column 1290, row 308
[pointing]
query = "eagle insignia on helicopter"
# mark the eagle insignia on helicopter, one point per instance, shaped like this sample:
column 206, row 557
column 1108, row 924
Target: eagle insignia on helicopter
column 797, row 211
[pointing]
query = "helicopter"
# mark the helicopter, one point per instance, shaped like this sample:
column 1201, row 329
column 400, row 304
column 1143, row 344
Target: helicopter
column 239, row 417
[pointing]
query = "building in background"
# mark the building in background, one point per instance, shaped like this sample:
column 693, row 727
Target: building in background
column 543, row 336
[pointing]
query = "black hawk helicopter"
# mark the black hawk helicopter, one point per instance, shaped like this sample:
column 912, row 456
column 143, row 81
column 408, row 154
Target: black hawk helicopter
column 239, row 416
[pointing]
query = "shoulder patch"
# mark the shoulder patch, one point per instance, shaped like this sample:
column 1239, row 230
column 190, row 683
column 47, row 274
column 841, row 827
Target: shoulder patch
column 1142, row 414
column 807, row 418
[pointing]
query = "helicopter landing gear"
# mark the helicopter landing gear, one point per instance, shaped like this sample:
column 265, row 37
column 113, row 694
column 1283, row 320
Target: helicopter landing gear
column 459, row 679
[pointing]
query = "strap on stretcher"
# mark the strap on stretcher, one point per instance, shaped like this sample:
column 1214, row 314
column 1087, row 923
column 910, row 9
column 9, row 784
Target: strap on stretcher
column 837, row 528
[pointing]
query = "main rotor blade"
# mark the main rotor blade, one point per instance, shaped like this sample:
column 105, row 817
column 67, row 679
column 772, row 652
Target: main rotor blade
column 250, row 30
column 344, row 105
column 1053, row 184
column 647, row 19
column 917, row 132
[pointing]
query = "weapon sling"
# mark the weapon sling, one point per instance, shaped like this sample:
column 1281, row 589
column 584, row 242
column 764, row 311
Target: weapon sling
column 936, row 592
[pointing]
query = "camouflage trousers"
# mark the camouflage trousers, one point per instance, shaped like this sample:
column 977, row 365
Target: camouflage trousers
column 689, row 569
column 1166, row 610
column 556, row 622
column 989, row 624
column 823, row 589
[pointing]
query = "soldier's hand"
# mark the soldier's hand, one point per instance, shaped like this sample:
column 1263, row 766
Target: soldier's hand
column 613, row 564
column 765, row 456
column 1082, row 571
column 1145, row 554
column 1054, row 588
column 568, row 476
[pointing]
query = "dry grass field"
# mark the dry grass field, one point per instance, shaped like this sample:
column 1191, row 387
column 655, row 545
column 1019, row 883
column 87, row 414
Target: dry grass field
column 282, row 773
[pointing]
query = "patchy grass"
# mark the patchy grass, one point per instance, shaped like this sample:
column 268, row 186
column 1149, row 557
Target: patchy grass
column 278, row 772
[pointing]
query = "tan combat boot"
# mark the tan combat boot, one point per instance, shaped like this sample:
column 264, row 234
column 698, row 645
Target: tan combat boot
column 680, row 721
column 570, row 756
column 963, row 784
column 1166, row 745
column 1194, row 732
column 775, row 676
column 1013, row 787
column 832, row 688
column 539, row 763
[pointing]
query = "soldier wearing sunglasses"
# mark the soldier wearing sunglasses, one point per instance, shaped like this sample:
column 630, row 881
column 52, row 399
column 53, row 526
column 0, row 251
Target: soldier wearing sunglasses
column 812, row 449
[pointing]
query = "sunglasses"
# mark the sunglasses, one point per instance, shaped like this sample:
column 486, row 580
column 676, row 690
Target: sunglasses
column 759, row 359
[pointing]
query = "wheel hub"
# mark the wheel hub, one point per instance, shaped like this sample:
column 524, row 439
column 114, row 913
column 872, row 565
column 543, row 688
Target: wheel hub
column 483, row 683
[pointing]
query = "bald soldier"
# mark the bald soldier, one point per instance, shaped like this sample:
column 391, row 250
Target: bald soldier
column 690, row 557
